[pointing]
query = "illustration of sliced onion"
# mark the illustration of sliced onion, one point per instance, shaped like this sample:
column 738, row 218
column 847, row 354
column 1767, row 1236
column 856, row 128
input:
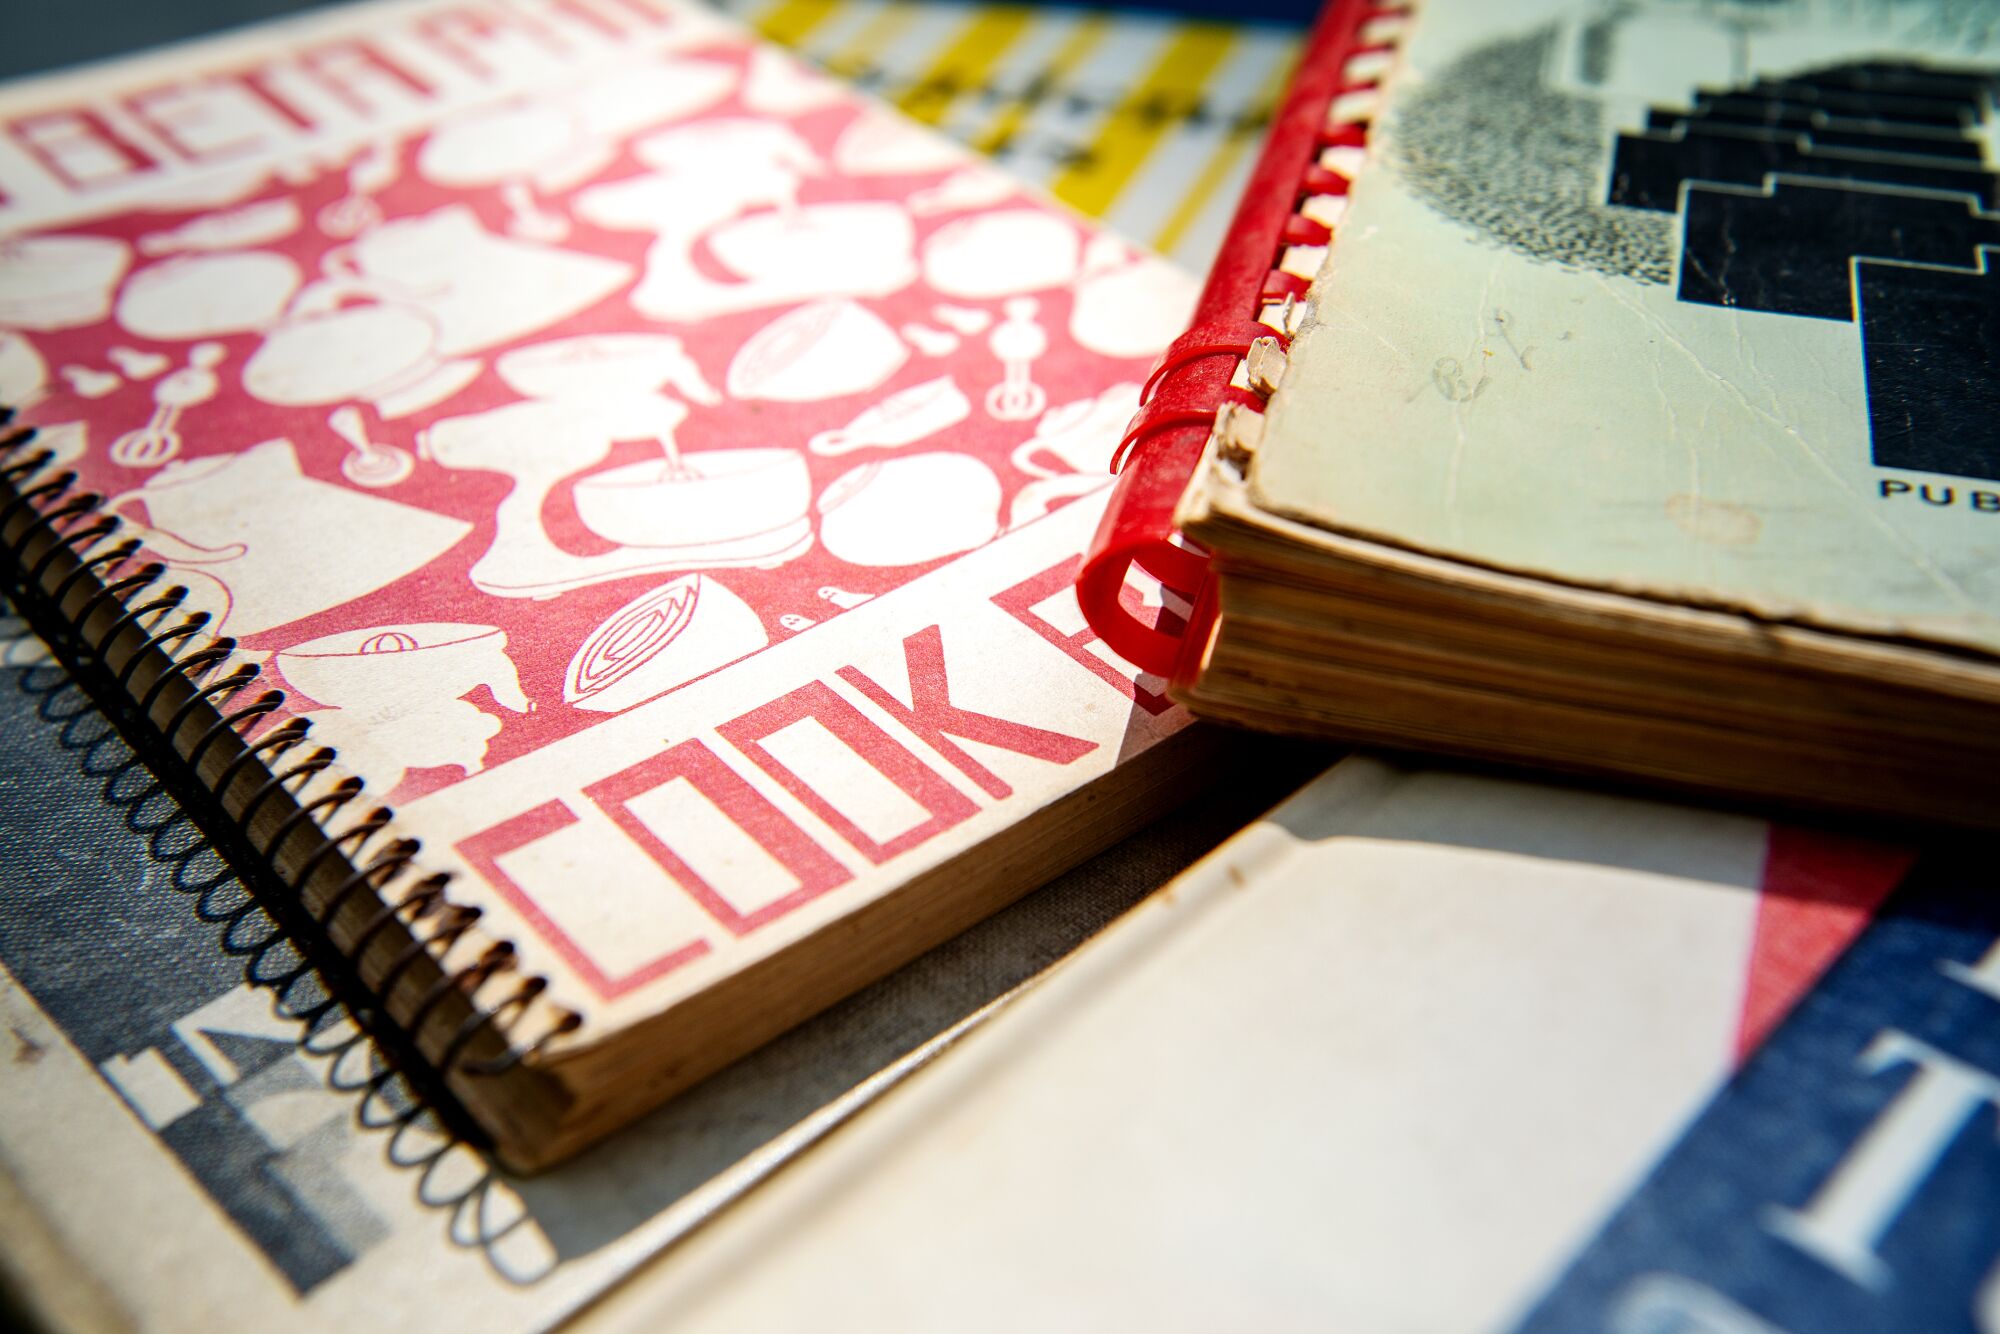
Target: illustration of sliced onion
column 631, row 637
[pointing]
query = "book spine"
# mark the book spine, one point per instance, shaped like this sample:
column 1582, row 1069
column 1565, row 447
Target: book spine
column 455, row 991
column 1250, row 303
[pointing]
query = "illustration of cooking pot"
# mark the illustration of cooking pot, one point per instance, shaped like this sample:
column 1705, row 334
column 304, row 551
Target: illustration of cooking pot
column 702, row 500
column 208, row 295
column 330, row 351
column 908, row 510
column 683, row 629
column 1001, row 253
column 392, row 695
column 409, row 667
column 59, row 282
column 828, row 349
column 277, row 544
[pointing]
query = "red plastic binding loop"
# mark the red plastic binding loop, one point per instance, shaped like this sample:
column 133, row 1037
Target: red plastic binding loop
column 1164, row 443
column 1301, row 230
column 1278, row 285
column 1204, row 340
column 1353, row 135
column 1319, row 181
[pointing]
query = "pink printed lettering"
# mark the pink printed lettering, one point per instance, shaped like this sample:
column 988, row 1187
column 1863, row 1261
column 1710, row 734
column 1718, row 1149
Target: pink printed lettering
column 748, row 809
column 932, row 716
column 945, row 804
column 484, row 851
column 80, row 149
column 362, row 79
column 204, row 121
column 1020, row 602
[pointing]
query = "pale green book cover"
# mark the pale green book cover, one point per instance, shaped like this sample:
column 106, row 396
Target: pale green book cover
column 1693, row 301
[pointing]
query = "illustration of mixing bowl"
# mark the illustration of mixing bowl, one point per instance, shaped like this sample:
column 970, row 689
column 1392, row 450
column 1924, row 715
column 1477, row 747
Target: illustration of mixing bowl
column 1000, row 253
column 908, row 510
column 208, row 296
column 705, row 500
column 342, row 353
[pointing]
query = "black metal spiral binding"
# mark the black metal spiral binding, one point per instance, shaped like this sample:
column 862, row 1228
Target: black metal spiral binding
column 268, row 702
column 87, row 503
column 114, row 591
column 110, row 560
column 74, row 528
column 460, row 920
column 78, row 539
column 192, row 667
column 303, row 814
column 265, row 751
column 26, row 500
column 515, row 1005
column 136, row 616
column 351, row 840
column 376, row 873
column 211, row 695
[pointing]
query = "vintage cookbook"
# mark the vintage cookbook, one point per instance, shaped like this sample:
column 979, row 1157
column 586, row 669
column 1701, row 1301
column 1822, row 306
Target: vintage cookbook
column 1607, row 386
column 595, row 500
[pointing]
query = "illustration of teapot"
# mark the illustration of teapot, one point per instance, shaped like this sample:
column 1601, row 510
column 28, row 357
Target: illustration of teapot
column 259, row 544
column 399, row 309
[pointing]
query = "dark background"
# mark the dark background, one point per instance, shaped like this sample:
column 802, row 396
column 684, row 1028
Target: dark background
column 47, row 34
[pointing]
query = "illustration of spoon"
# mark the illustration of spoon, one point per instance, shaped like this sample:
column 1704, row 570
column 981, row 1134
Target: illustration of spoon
column 372, row 465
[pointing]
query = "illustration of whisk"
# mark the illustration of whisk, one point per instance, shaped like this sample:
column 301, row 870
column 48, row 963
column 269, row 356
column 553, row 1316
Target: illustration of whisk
column 1017, row 341
column 159, row 440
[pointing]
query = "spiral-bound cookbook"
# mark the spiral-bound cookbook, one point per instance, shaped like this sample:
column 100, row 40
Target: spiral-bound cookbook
column 1604, row 385
column 596, row 501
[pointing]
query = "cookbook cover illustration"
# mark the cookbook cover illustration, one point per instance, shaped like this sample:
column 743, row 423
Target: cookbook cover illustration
column 628, row 447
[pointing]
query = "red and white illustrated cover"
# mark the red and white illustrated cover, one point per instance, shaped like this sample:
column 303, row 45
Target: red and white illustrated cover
column 659, row 471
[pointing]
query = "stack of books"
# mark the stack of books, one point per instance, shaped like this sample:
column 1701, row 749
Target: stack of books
column 629, row 540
